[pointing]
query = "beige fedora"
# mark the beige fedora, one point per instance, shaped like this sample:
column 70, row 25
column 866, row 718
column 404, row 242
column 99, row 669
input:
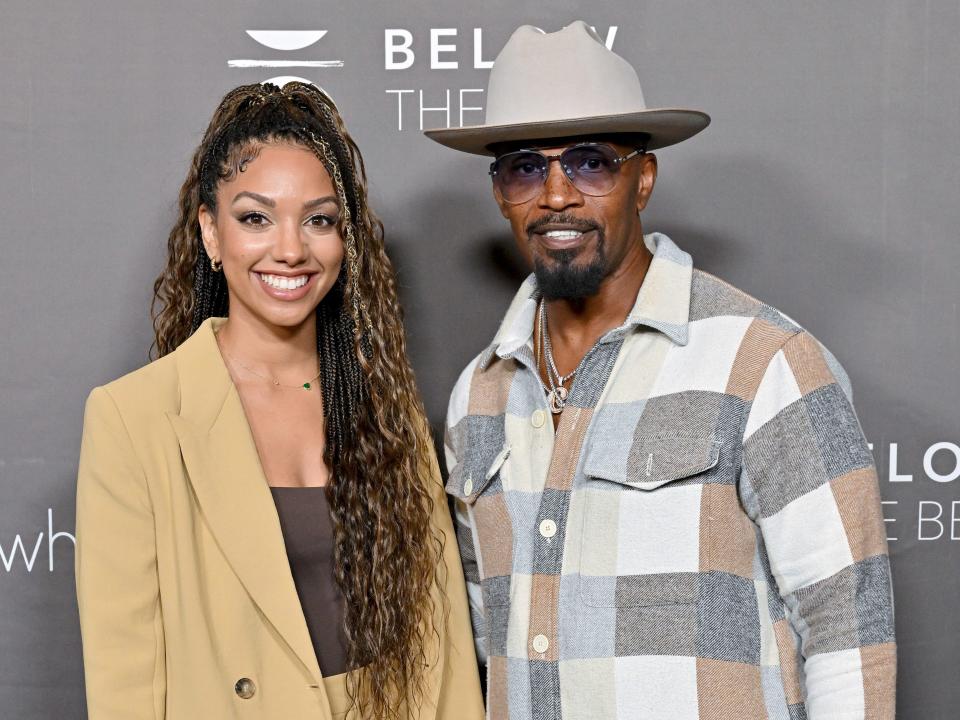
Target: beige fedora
column 566, row 83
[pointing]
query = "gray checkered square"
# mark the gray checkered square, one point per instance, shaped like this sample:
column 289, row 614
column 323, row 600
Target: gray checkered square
column 711, row 297
column 849, row 609
column 669, row 629
column 496, row 608
column 842, row 446
column 728, row 622
column 693, row 413
column 873, row 600
column 496, row 590
column 783, row 465
column 485, row 436
column 545, row 690
column 827, row 609
column 656, row 589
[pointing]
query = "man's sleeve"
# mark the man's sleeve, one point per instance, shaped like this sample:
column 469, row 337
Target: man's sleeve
column 466, row 535
column 809, row 482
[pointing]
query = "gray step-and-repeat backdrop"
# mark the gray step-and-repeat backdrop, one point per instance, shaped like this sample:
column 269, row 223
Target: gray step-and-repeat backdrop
column 827, row 185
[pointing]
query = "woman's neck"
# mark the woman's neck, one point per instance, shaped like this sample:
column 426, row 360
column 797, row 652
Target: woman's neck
column 276, row 350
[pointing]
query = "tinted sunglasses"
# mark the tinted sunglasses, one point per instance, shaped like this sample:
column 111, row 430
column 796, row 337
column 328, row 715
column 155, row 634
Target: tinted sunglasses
column 591, row 167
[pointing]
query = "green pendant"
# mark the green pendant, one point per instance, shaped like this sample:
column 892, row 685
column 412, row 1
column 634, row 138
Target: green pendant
column 306, row 386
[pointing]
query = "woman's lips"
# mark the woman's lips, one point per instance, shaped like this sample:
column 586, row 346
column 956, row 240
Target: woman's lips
column 287, row 294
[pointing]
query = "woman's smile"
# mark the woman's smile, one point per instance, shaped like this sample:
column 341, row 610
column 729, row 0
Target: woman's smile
column 286, row 287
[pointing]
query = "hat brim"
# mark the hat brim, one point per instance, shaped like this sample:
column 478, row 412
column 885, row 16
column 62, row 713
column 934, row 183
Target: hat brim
column 666, row 126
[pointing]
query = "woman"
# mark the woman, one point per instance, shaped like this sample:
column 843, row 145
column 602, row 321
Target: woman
column 259, row 510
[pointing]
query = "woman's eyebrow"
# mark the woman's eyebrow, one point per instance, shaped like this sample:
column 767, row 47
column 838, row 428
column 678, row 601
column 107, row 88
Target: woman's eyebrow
column 309, row 205
column 262, row 199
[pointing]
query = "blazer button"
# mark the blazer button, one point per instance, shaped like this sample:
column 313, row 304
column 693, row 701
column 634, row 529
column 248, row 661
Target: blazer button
column 245, row 688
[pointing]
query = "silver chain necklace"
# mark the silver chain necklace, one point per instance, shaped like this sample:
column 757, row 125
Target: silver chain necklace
column 557, row 396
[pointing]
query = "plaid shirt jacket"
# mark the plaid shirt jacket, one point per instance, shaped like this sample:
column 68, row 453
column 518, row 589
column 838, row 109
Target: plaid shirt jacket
column 700, row 538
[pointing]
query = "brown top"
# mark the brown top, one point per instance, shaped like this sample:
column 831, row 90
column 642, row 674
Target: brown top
column 308, row 537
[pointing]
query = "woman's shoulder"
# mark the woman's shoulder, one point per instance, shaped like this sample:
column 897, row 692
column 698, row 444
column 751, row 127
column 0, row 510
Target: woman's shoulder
column 152, row 383
column 143, row 396
column 146, row 396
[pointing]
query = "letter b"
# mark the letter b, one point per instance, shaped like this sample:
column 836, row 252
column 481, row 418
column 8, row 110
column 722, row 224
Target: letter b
column 391, row 49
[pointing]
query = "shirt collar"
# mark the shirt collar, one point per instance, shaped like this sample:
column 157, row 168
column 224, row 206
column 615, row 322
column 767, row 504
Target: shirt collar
column 663, row 302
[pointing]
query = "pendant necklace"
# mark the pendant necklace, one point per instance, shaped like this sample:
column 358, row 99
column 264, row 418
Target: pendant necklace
column 276, row 381
column 557, row 396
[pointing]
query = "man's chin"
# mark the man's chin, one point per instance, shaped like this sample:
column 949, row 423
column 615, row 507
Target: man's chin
column 569, row 281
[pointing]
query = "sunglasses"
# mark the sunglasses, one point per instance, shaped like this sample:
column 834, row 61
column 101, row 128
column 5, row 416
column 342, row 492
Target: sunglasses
column 591, row 167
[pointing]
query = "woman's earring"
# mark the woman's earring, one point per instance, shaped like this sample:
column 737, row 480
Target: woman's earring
column 215, row 264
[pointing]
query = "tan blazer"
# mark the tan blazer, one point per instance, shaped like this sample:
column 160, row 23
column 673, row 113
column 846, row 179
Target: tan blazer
column 187, row 604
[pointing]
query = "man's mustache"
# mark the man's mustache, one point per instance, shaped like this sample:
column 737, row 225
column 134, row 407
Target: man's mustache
column 580, row 224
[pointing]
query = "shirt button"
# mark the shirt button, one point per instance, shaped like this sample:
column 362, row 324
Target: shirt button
column 245, row 688
column 468, row 486
column 548, row 528
column 538, row 418
column 540, row 643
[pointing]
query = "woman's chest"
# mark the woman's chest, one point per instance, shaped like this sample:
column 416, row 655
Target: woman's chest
column 289, row 433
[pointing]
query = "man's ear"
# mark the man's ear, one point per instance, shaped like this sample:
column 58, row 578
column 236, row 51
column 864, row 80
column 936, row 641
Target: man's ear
column 647, row 179
column 208, row 230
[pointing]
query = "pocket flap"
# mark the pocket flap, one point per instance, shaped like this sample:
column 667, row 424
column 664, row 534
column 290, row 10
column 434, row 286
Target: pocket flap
column 649, row 462
column 470, row 478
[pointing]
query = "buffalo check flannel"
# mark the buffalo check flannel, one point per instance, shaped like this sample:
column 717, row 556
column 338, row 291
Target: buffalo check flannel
column 701, row 536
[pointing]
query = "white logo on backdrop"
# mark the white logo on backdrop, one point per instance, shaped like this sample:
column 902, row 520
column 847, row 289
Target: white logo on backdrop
column 286, row 41
column 445, row 48
column 415, row 108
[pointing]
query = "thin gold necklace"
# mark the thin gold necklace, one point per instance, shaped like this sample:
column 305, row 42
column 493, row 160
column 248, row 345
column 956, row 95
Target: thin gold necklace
column 276, row 381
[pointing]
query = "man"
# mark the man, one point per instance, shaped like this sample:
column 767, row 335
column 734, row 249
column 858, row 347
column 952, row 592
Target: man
column 666, row 506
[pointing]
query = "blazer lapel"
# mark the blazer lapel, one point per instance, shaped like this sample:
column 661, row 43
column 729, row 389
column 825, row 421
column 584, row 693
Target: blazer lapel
column 225, row 471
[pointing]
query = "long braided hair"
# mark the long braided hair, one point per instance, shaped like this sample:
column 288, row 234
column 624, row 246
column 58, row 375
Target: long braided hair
column 387, row 557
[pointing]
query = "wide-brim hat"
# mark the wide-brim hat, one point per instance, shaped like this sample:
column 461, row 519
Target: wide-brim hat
column 562, row 84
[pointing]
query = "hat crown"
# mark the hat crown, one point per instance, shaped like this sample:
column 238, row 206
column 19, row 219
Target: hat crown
column 567, row 74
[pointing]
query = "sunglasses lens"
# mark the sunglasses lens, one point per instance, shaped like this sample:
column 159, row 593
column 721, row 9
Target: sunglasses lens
column 519, row 175
column 592, row 168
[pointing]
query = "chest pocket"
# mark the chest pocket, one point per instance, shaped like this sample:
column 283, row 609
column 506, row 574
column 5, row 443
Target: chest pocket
column 641, row 526
column 478, row 483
